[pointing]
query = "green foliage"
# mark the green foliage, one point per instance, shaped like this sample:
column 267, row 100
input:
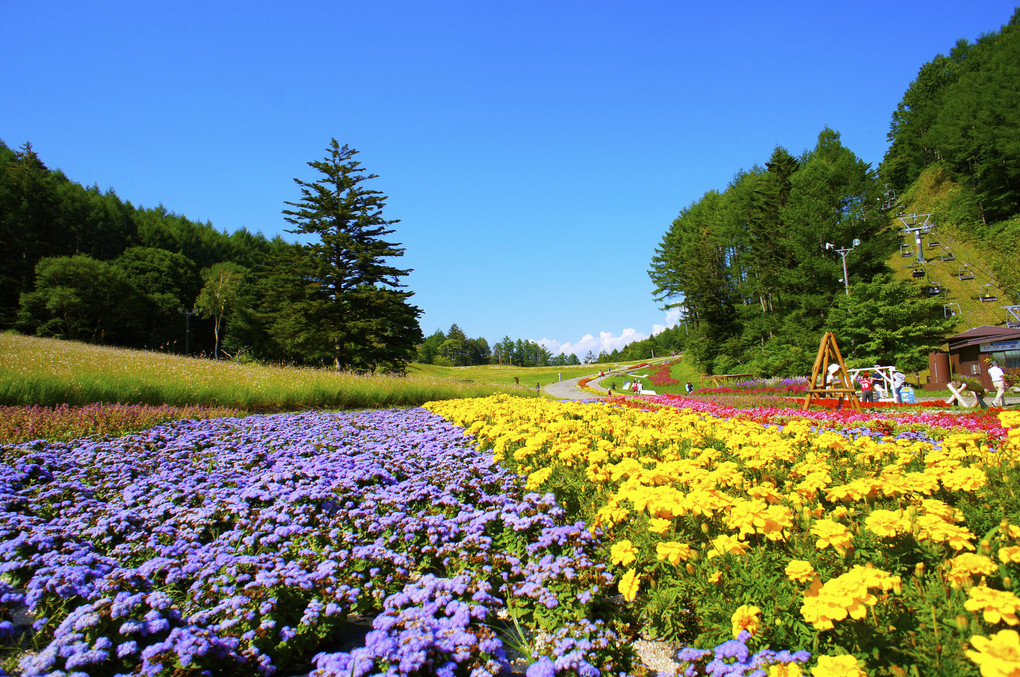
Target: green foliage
column 889, row 322
column 79, row 298
column 168, row 281
column 354, row 305
column 755, row 268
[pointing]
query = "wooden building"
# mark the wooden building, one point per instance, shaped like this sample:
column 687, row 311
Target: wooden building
column 971, row 353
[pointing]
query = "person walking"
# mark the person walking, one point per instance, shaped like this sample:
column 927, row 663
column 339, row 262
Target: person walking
column 998, row 377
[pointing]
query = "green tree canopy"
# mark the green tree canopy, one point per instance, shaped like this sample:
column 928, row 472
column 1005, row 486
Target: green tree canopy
column 362, row 315
column 889, row 322
column 80, row 298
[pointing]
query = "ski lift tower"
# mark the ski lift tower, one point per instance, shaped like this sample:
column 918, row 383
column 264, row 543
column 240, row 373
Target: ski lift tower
column 1013, row 319
column 913, row 225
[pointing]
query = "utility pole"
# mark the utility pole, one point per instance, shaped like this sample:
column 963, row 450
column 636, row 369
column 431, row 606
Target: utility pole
column 187, row 328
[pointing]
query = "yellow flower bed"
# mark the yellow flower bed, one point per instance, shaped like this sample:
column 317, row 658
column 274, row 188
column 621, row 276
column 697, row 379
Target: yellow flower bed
column 896, row 551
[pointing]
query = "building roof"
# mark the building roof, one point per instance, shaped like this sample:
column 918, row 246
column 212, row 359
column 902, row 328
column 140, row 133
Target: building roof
column 980, row 335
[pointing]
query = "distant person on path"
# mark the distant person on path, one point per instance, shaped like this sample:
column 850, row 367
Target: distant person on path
column 867, row 387
column 998, row 377
column 690, row 388
column 898, row 380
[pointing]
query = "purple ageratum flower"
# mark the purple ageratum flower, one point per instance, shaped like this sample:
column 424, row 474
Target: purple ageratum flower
column 543, row 667
column 194, row 501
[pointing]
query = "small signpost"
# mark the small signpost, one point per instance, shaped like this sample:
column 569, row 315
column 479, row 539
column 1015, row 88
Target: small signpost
column 835, row 379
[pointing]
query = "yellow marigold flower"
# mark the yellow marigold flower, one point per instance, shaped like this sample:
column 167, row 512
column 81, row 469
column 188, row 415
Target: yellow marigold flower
column 965, row 479
column 847, row 595
column 659, row 526
column 847, row 493
column 715, row 577
column 814, row 482
column 611, row 514
column 838, row 666
column 785, row 670
column 998, row 655
column 629, row 585
column 921, row 482
column 800, row 571
column 765, row 491
column 963, row 567
column 996, row 605
column 538, row 478
column 932, row 527
column 886, row 523
column 623, row 553
column 1010, row 553
column 673, row 552
column 947, row 512
column 831, row 533
column 745, row 618
column 727, row 545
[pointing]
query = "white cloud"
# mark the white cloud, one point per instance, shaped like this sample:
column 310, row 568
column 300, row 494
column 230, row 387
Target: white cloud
column 673, row 316
column 607, row 341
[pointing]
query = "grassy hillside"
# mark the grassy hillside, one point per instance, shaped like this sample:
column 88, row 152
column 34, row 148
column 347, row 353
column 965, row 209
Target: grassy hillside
column 958, row 266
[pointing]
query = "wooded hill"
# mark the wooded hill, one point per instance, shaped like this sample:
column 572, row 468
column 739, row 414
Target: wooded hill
column 85, row 265
column 757, row 268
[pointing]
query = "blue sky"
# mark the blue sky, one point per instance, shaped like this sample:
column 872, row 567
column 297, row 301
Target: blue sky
column 534, row 152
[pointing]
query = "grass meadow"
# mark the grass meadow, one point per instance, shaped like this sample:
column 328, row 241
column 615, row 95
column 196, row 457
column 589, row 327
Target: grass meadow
column 50, row 372
column 507, row 375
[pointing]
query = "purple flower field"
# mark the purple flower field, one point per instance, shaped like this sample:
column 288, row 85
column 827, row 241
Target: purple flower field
column 256, row 545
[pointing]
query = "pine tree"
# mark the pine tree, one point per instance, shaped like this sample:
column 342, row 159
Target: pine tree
column 354, row 294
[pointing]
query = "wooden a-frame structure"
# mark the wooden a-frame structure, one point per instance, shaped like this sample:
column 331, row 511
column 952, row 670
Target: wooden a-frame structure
column 834, row 383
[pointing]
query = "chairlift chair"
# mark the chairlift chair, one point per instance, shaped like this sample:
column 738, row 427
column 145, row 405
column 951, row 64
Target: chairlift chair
column 934, row 243
column 934, row 289
column 905, row 251
column 965, row 272
column 948, row 255
column 951, row 309
column 991, row 296
column 918, row 272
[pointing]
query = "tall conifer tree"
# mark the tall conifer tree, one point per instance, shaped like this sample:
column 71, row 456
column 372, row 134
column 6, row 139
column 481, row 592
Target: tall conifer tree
column 353, row 293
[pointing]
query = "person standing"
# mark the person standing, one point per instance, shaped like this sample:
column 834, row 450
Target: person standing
column 998, row 377
column 867, row 387
column 898, row 379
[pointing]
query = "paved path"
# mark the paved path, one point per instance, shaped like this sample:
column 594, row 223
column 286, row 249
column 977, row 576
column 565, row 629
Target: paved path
column 568, row 389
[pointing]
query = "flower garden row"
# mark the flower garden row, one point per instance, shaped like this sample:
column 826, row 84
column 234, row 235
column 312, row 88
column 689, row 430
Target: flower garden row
column 248, row 546
column 759, row 542
column 888, row 552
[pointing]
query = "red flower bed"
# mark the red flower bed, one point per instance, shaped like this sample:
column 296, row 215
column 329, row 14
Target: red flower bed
column 833, row 403
column 660, row 375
